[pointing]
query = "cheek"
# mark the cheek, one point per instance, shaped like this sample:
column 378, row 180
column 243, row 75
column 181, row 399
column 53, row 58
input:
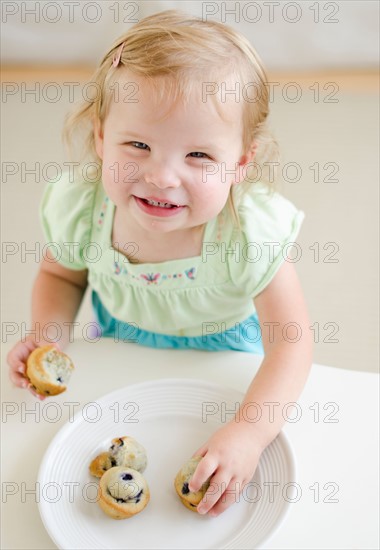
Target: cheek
column 119, row 172
column 219, row 176
column 212, row 196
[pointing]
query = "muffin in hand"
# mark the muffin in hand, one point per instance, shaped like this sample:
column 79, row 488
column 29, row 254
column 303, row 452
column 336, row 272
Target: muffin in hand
column 49, row 370
column 181, row 483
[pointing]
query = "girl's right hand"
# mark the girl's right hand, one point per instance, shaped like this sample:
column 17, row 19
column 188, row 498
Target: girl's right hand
column 17, row 358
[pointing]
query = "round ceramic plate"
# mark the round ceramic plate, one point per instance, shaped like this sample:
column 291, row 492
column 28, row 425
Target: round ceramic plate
column 171, row 418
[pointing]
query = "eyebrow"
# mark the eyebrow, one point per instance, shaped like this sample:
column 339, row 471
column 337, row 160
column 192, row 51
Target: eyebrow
column 143, row 139
column 124, row 134
column 207, row 146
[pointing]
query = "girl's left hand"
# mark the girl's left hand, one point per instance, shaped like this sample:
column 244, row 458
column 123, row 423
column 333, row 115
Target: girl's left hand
column 230, row 456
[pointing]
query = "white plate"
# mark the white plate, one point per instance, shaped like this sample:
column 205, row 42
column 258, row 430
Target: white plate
column 171, row 418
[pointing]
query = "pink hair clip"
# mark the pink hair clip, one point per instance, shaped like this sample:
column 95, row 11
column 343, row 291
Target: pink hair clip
column 117, row 55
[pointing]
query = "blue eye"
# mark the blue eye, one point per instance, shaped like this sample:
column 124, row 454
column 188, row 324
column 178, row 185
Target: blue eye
column 139, row 145
column 198, row 155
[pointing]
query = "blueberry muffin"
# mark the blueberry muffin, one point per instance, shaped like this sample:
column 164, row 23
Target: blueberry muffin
column 181, row 483
column 128, row 452
column 49, row 370
column 123, row 492
column 124, row 451
column 101, row 464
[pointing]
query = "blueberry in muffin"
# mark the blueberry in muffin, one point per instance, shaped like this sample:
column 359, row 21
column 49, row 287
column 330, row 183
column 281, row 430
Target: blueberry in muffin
column 123, row 492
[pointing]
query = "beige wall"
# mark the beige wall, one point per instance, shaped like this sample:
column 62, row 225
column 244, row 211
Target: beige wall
column 288, row 35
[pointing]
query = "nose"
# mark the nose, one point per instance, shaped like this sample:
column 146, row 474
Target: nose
column 162, row 174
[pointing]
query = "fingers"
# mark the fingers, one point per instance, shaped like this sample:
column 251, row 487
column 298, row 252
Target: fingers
column 20, row 352
column 220, row 495
column 16, row 375
column 200, row 452
column 224, row 489
column 33, row 392
column 231, row 495
column 204, row 470
column 31, row 345
column 17, row 358
column 211, row 497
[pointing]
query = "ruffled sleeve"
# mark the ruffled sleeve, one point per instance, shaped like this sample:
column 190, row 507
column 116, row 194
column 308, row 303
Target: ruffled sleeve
column 66, row 216
column 269, row 226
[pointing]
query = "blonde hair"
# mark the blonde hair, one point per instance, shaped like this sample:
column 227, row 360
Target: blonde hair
column 176, row 51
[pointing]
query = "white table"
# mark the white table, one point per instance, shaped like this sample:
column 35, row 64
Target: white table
column 335, row 440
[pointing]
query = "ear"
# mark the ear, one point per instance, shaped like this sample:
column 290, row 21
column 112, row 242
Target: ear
column 245, row 159
column 98, row 137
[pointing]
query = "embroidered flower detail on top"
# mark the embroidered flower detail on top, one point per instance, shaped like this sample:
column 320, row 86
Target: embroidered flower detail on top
column 150, row 278
column 190, row 273
column 102, row 212
column 155, row 278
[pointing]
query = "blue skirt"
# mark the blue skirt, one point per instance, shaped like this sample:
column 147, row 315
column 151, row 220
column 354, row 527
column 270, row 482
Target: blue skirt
column 244, row 336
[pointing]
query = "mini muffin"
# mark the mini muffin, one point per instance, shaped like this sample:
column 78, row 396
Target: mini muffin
column 101, row 464
column 123, row 492
column 181, row 483
column 49, row 370
column 128, row 452
column 124, row 451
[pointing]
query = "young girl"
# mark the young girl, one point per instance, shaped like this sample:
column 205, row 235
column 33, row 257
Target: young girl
column 180, row 244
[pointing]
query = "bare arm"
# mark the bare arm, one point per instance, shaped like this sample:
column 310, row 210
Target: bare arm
column 231, row 455
column 57, row 295
column 287, row 344
column 56, row 298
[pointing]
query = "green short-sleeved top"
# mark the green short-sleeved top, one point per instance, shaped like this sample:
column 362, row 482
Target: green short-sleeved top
column 174, row 297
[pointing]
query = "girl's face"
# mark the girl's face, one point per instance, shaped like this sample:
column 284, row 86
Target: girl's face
column 168, row 173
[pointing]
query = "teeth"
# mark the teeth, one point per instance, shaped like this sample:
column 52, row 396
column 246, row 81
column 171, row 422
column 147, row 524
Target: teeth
column 161, row 204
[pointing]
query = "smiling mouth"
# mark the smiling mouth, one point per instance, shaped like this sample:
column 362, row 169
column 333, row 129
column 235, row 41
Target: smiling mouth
column 160, row 204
